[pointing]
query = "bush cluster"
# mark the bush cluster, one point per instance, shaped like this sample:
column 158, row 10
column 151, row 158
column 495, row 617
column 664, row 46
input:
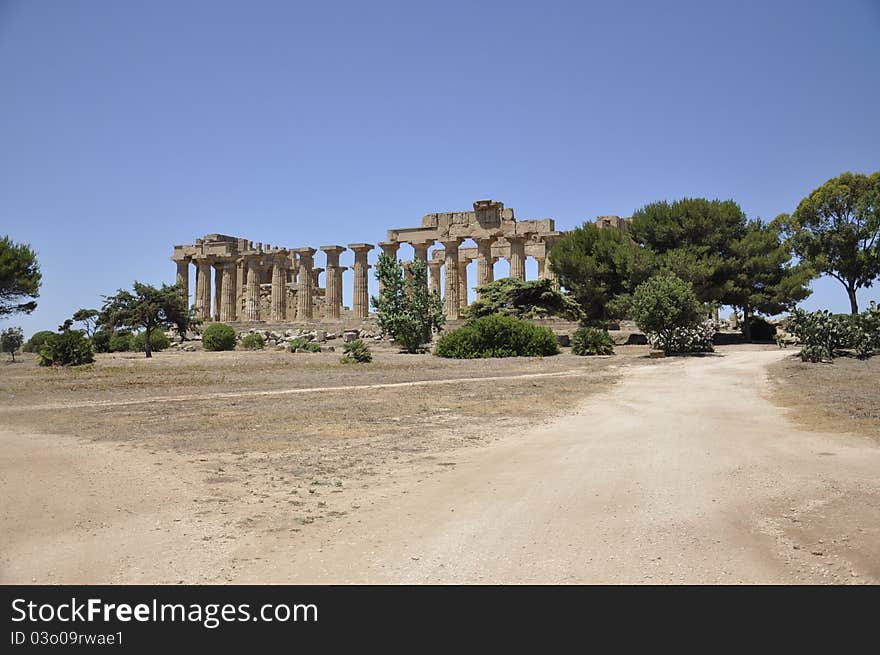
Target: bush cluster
column 497, row 336
column 356, row 352
column 158, row 341
column 592, row 341
column 67, row 348
column 218, row 336
column 36, row 342
column 253, row 341
column 119, row 341
column 823, row 335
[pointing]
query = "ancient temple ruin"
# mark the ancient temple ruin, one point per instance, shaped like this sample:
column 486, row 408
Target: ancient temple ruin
column 238, row 280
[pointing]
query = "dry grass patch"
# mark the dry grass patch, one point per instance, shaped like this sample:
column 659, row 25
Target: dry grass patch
column 843, row 396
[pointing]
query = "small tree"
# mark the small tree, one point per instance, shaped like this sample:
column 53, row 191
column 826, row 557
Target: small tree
column 836, row 229
column 148, row 308
column 89, row 319
column 664, row 307
column 408, row 312
column 11, row 340
column 20, row 278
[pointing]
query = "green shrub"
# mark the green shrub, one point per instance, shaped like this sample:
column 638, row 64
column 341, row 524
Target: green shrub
column 591, row 341
column 253, row 342
column 303, row 345
column 36, row 341
column 158, row 341
column 101, row 340
column 68, row 348
column 120, row 341
column 667, row 310
column 218, row 336
column 356, row 352
column 497, row 336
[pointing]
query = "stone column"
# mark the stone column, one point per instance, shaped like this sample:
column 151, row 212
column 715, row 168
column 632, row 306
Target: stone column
column 252, row 294
column 485, row 267
column 304, row 294
column 542, row 270
column 434, row 277
column 333, row 282
column 390, row 248
column 279, row 290
column 241, row 287
column 463, row 282
column 203, row 290
column 548, row 269
column 218, row 286
column 183, row 279
column 229, row 296
column 361, row 301
column 452, row 284
column 517, row 256
column 316, row 273
column 421, row 249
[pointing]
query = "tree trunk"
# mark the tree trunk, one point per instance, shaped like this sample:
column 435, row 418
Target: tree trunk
column 747, row 328
column 853, row 303
column 148, row 351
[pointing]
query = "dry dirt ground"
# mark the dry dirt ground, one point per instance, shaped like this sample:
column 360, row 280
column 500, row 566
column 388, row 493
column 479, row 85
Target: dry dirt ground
column 271, row 467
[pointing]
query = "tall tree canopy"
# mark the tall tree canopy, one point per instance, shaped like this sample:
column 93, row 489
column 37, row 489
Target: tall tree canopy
column 692, row 238
column 836, row 229
column 596, row 266
column 148, row 308
column 20, row 278
column 764, row 280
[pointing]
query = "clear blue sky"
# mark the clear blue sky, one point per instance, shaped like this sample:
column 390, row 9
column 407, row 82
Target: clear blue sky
column 128, row 127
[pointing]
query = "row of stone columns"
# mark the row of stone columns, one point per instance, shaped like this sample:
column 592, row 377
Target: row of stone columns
column 237, row 284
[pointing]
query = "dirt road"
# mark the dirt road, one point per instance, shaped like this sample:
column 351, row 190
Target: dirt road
column 684, row 472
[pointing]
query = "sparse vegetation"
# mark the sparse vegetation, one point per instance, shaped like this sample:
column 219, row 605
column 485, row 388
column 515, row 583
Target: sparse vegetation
column 497, row 336
column 303, row 345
